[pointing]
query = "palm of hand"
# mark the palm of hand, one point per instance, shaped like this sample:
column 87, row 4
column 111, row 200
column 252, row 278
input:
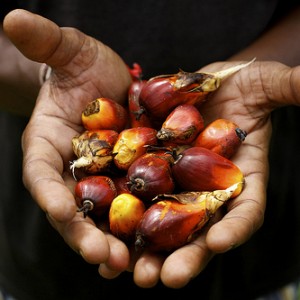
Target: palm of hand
column 236, row 100
column 59, row 107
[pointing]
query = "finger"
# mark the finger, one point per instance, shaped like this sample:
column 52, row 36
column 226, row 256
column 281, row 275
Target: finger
column 75, row 57
column 147, row 269
column 84, row 238
column 42, row 169
column 273, row 85
column 285, row 86
column 41, row 39
column 107, row 272
column 186, row 263
column 118, row 260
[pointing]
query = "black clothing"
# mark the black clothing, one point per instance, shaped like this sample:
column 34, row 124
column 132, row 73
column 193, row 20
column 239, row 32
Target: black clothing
column 162, row 36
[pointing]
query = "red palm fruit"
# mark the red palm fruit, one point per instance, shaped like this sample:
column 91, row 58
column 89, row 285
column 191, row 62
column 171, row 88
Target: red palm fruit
column 94, row 194
column 182, row 125
column 221, row 136
column 104, row 113
column 150, row 175
column 200, row 169
column 131, row 144
column 125, row 213
column 137, row 114
column 161, row 94
column 173, row 221
column 121, row 184
column 94, row 150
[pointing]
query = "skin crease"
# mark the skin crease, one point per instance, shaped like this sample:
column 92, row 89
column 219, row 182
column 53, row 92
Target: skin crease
column 247, row 98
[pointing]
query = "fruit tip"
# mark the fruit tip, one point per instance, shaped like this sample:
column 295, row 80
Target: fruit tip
column 235, row 187
column 223, row 74
column 139, row 243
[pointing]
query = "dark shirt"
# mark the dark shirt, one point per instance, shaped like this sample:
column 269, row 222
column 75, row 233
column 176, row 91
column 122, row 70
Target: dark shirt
column 162, row 36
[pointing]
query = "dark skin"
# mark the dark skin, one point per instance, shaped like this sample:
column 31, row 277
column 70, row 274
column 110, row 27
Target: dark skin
column 247, row 98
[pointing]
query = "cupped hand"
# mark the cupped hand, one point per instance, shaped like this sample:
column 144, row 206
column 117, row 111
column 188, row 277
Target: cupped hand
column 247, row 98
column 82, row 70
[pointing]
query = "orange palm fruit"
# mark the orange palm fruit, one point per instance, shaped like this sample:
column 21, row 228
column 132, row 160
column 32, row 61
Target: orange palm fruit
column 125, row 213
column 104, row 113
column 161, row 94
column 200, row 169
column 182, row 125
column 173, row 221
column 131, row 144
column 94, row 150
column 221, row 136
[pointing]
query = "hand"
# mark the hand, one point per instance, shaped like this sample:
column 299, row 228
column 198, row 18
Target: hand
column 83, row 69
column 247, row 98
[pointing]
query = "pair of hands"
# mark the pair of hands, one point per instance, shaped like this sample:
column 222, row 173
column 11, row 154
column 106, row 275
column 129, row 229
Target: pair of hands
column 84, row 69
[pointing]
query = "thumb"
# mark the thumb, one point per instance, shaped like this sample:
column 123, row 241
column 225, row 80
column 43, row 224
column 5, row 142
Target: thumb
column 39, row 39
column 69, row 51
column 280, row 83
